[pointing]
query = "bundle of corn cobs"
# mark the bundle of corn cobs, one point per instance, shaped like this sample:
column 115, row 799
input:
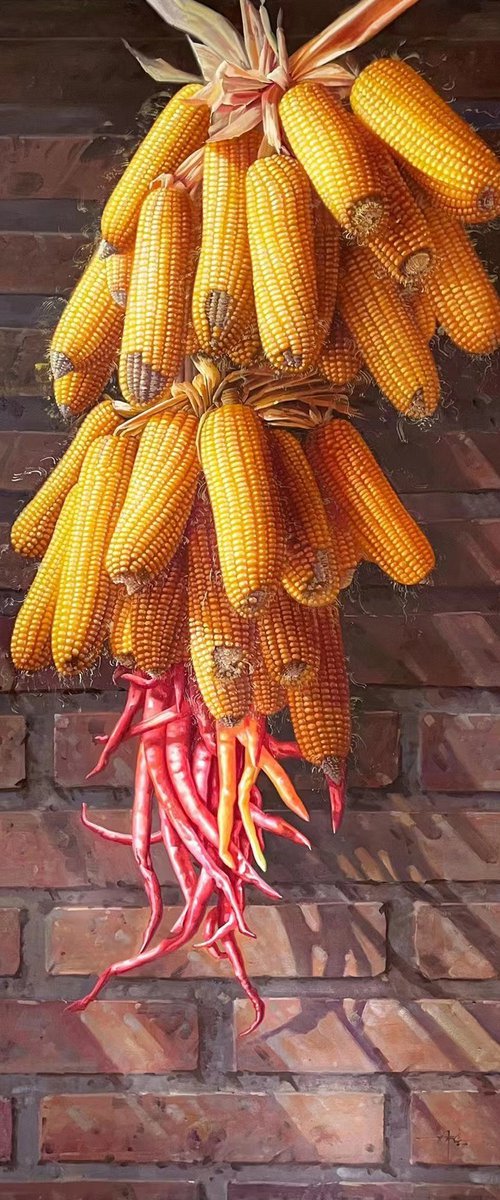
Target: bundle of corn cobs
column 266, row 241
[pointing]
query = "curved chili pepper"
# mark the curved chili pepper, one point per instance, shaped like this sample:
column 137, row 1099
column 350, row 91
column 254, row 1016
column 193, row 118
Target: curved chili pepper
column 202, row 716
column 201, row 765
column 255, row 732
column 163, row 718
column 177, row 740
column 337, row 796
column 283, row 784
column 281, row 749
column 142, row 816
column 181, row 865
column 111, row 835
column 225, row 741
column 275, row 824
column 245, row 786
column 132, row 705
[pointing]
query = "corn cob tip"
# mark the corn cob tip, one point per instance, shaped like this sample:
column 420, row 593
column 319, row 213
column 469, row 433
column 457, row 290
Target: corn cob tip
column 119, row 296
column 132, row 583
column 294, row 672
column 364, row 217
column 60, row 364
column 417, row 264
column 143, row 381
column 229, row 661
column 333, row 768
column 418, row 410
column 106, row 249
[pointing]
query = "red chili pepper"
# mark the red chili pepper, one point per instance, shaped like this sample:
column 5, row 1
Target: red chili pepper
column 142, row 816
column 202, row 716
column 197, row 908
column 177, row 746
column 201, row 765
column 336, row 793
column 111, row 835
column 132, row 705
column 282, row 749
column 181, row 863
column 274, row 824
column 163, row 718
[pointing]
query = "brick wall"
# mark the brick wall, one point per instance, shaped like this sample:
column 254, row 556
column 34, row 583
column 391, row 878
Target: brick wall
column 376, row 1073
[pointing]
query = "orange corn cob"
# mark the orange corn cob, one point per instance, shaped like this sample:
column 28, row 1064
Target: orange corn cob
column 223, row 305
column 160, row 621
column 178, row 131
column 442, row 151
column 118, row 272
column 389, row 340
column 348, row 550
column 310, row 574
column 30, row 644
column 83, row 611
column 248, row 349
column 235, row 457
column 403, row 244
column 388, row 535
column 423, row 312
column 158, row 503
column 268, row 697
column 88, row 333
column 465, row 303
column 77, row 391
column 320, row 712
column 340, row 361
column 158, row 303
column 281, row 235
column 220, row 640
column 120, row 633
column 33, row 529
column 329, row 144
column 327, row 256
column 289, row 641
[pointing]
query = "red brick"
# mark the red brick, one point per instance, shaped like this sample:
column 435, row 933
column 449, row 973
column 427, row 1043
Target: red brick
column 23, row 369
column 460, row 752
column 467, row 552
column 5, row 1130
column 73, row 167
column 455, row 1128
column 111, row 1037
column 457, row 941
column 16, row 573
column 27, row 458
column 324, row 941
column 92, row 1189
column 40, row 263
column 376, row 750
column 458, row 461
column 358, row 1191
column 12, row 751
column 10, row 940
column 76, row 752
column 236, row 1127
column 438, row 649
column 365, row 1036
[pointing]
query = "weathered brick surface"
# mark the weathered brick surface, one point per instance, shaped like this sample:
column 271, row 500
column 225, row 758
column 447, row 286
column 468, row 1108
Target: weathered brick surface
column 458, row 941
column 442, row 649
column 5, row 1130
column 279, row 1127
column 22, row 353
column 367, row 1036
column 92, row 1189
column 322, row 941
column 12, row 751
column 26, row 459
column 111, row 1037
column 455, row 1128
column 10, row 940
column 361, row 1191
column 460, row 752
column 58, row 167
column 16, row 573
column 43, row 263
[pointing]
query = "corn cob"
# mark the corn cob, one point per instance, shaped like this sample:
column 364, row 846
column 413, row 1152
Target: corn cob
column 77, row 391
column 347, row 548
column 33, row 529
column 268, row 697
column 248, row 349
column 178, row 131
column 235, row 457
column 310, row 574
column 442, row 151
column 159, row 619
column 158, row 302
column 88, row 333
column 222, row 294
column 158, row 503
column 329, row 144
column 403, row 244
column 327, row 256
column 387, row 534
column 423, row 312
column 83, row 603
column 391, row 344
column 118, row 272
column 320, row 711
column 340, row 361
column 281, row 235
column 219, row 639
column 120, row 632
column 465, row 303
column 30, row 644
column 289, row 642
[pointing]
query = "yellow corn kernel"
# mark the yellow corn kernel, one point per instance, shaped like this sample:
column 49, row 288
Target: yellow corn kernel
column 158, row 303
column 219, row 639
column 327, row 258
column 423, row 312
column 346, row 469
column 347, row 547
column 403, row 243
column 329, row 144
column 82, row 615
column 340, row 361
column 310, row 574
column 235, row 458
column 30, row 644
column 248, row 349
column 320, row 712
column 441, row 150
column 118, row 272
column 179, row 130
column 87, row 334
column 120, row 633
column 33, row 529
column 289, row 641
column 158, row 502
column 223, row 305
column 281, row 236
column 389, row 340
column 159, row 618
column 77, row 391
column 268, row 697
column 465, row 303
